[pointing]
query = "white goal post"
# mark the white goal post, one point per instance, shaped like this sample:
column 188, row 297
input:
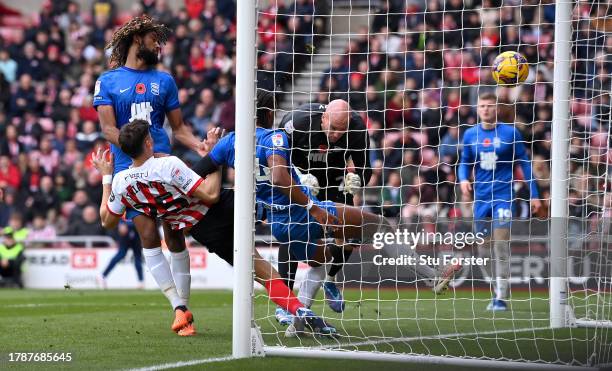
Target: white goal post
column 459, row 347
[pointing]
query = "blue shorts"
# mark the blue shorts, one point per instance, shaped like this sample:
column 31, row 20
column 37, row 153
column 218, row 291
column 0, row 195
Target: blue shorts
column 489, row 215
column 298, row 229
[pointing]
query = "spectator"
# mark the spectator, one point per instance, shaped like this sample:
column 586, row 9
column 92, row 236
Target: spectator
column 44, row 200
column 8, row 67
column 41, row 230
column 9, row 174
column 23, row 99
column 88, row 226
column 11, row 258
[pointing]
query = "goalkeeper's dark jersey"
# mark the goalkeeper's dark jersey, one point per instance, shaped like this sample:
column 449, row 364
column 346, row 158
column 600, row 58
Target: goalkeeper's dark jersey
column 312, row 153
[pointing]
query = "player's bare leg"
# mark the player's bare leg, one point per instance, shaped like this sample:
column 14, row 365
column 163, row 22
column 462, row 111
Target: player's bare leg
column 357, row 224
column 280, row 294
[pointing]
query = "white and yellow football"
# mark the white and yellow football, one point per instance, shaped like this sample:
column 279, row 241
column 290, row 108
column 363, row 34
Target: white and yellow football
column 510, row 68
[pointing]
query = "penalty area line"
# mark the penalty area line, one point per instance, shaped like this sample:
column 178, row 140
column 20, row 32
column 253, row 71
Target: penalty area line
column 167, row 366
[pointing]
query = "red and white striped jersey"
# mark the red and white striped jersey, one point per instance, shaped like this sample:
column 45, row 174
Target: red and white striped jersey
column 160, row 188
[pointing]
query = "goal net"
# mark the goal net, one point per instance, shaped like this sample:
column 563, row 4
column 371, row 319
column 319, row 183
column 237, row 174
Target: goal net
column 413, row 71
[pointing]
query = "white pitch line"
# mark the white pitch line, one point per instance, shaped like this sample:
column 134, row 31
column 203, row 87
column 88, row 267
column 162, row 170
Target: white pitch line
column 194, row 362
column 37, row 305
column 430, row 337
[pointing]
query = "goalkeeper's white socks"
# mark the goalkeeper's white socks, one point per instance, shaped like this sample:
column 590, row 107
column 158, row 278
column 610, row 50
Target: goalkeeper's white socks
column 160, row 270
column 311, row 284
column 179, row 261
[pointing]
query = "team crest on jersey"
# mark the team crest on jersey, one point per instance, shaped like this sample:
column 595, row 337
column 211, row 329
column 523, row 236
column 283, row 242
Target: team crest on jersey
column 154, row 88
column 277, row 140
column 141, row 88
column 496, row 142
column 486, row 142
column 179, row 176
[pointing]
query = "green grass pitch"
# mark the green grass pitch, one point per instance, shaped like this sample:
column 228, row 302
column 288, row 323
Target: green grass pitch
column 131, row 329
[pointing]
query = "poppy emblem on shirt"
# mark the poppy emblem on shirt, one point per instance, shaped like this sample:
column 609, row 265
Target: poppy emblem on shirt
column 486, row 142
column 322, row 148
column 141, row 88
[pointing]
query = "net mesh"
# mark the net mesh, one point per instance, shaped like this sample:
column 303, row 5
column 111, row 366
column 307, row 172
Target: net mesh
column 413, row 71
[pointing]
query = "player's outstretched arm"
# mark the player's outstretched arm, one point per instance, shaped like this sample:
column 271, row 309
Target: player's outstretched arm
column 183, row 133
column 103, row 161
column 209, row 190
column 281, row 178
column 108, row 123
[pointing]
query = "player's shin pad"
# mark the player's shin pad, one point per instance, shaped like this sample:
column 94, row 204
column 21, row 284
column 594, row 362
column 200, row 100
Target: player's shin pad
column 502, row 268
column 398, row 250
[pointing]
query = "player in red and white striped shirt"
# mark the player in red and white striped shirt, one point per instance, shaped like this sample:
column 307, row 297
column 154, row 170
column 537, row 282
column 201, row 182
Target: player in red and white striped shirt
column 166, row 188
column 163, row 188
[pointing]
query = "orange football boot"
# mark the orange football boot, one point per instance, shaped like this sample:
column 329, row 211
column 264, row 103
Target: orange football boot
column 181, row 319
column 188, row 330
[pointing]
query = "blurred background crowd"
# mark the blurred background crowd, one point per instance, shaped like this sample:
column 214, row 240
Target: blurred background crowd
column 413, row 73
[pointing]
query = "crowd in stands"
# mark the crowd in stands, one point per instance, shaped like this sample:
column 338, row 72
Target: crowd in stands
column 414, row 74
column 49, row 63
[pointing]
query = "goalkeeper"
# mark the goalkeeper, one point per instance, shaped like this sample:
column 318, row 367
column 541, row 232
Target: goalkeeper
column 323, row 139
column 298, row 219
column 494, row 148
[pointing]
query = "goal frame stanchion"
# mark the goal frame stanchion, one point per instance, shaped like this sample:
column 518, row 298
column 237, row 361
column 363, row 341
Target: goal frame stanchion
column 243, row 329
column 560, row 311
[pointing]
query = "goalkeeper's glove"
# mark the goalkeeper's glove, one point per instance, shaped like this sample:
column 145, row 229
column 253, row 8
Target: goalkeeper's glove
column 352, row 183
column 311, row 182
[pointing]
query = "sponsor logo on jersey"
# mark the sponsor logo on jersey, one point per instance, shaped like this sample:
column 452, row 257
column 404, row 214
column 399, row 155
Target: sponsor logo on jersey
column 318, row 156
column 486, row 142
column 141, row 88
column 154, row 88
column 141, row 111
column 277, row 140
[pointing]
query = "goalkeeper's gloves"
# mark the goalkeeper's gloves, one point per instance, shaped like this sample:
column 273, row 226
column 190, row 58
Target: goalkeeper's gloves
column 352, row 183
column 311, row 182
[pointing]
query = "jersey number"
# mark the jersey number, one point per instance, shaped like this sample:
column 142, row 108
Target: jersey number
column 488, row 160
column 263, row 172
column 504, row 214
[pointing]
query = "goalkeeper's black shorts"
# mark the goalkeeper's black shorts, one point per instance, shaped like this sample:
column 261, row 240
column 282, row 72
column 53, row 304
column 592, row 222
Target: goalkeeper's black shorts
column 216, row 230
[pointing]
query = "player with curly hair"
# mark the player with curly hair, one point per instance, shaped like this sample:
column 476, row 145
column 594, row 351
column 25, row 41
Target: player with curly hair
column 133, row 90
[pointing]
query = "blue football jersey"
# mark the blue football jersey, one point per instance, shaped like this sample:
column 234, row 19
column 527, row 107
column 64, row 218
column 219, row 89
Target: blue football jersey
column 268, row 143
column 138, row 94
column 493, row 153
